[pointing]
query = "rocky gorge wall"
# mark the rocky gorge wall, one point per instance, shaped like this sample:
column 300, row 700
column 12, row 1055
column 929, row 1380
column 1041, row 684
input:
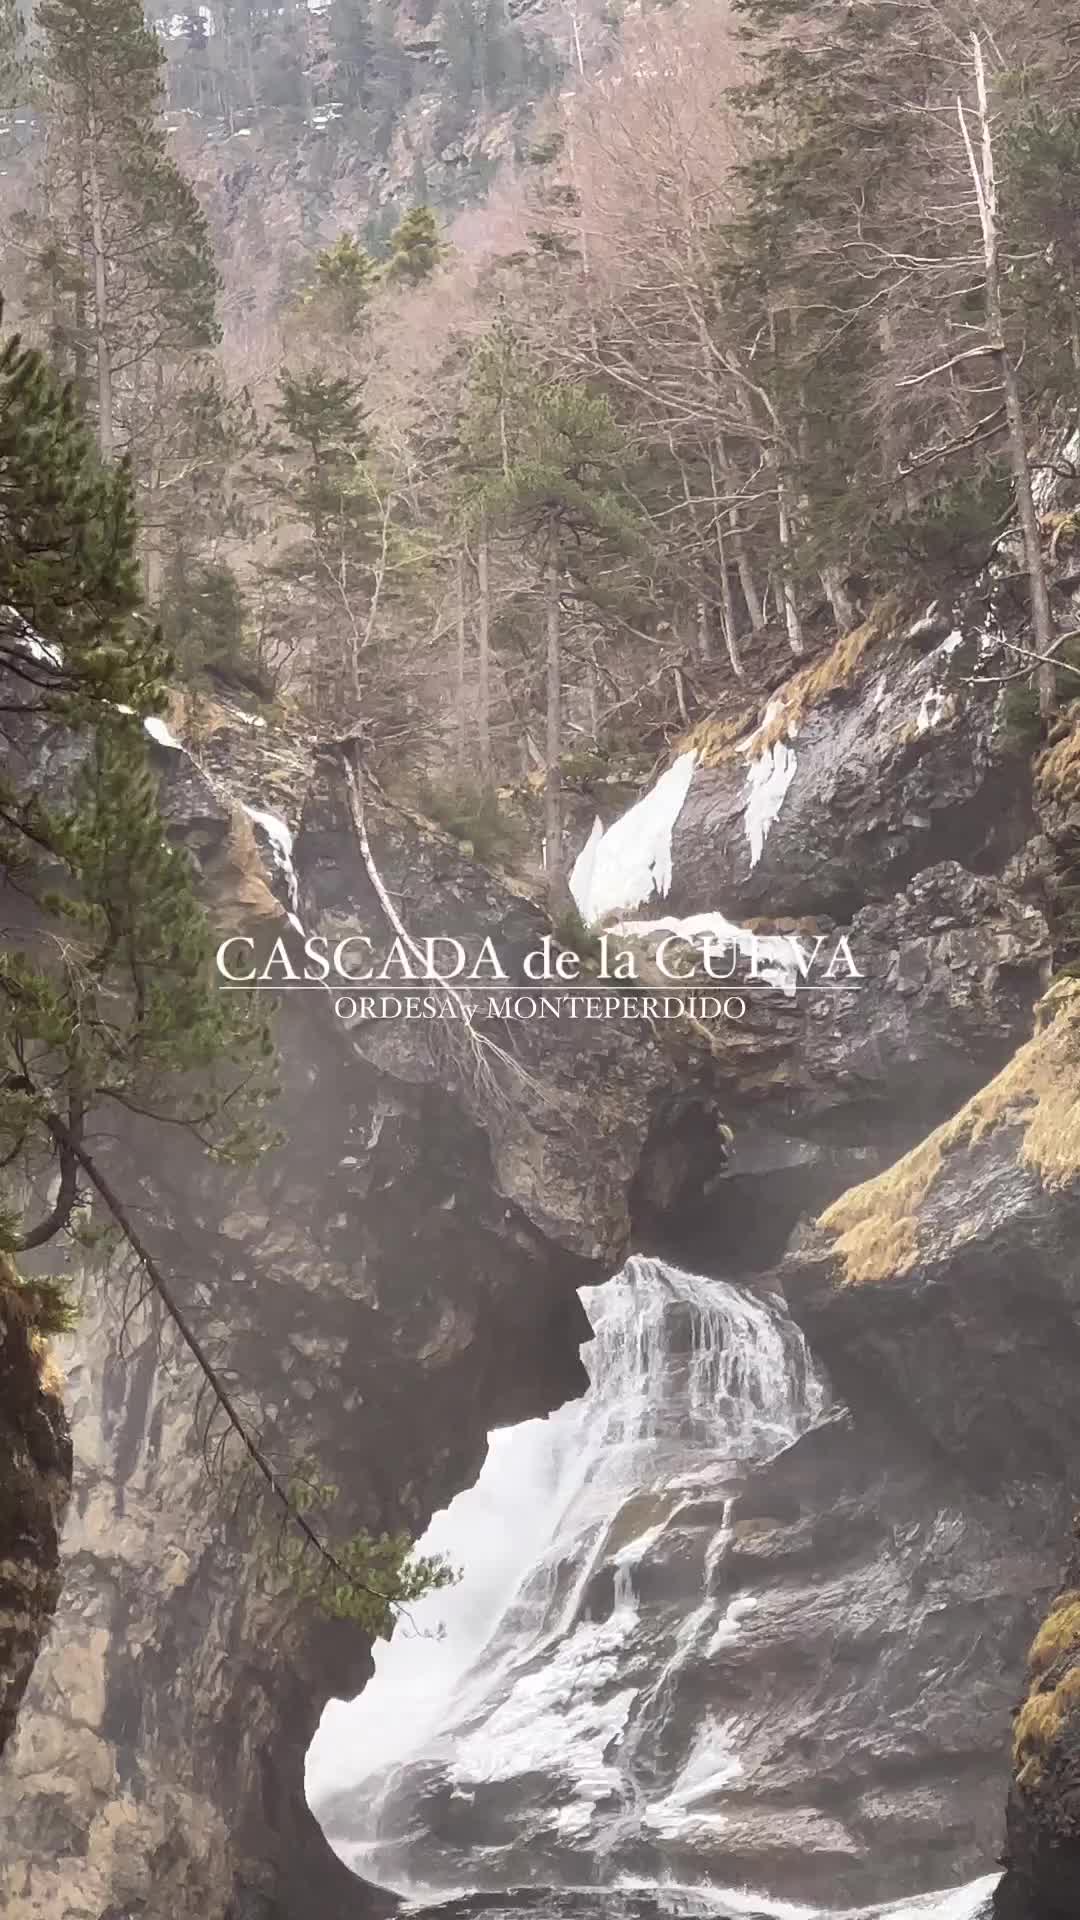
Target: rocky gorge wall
column 402, row 1275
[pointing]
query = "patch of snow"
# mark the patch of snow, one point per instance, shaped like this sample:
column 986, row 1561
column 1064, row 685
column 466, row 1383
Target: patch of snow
column 622, row 868
column 768, row 778
column 991, row 637
column 955, row 639
column 158, row 731
column 1046, row 483
column 249, row 719
column 771, row 955
column 936, row 707
column 923, row 624
column 31, row 642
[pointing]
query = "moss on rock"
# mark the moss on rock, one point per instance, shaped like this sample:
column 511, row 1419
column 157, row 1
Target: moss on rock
column 877, row 1224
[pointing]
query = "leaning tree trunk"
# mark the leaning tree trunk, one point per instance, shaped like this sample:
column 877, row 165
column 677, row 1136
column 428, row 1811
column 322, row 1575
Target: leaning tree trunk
column 459, row 672
column 985, row 181
column 101, row 296
column 553, row 742
column 483, row 662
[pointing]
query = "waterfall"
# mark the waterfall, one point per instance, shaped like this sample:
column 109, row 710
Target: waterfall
column 561, row 1716
column 688, row 1378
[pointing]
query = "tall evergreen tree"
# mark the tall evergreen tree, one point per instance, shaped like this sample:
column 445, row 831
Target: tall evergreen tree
column 315, row 468
column 118, row 1006
column 546, row 465
column 126, row 265
column 415, row 249
column 343, row 285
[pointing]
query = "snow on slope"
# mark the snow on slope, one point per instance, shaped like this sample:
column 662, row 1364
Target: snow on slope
column 624, row 867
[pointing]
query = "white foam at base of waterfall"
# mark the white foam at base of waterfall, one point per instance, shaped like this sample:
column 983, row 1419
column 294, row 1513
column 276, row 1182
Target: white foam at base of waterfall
column 957, row 1903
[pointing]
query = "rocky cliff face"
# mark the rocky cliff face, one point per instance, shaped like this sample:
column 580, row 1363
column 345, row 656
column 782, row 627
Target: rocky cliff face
column 402, row 1275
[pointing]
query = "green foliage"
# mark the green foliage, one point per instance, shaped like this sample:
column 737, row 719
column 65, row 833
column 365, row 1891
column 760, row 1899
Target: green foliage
column 485, row 52
column 41, row 1303
column 546, row 457
column 102, row 76
column 374, row 1578
column 415, row 248
column 68, row 568
column 205, row 624
column 571, row 931
column 346, row 278
column 108, row 998
column 476, row 818
column 952, row 533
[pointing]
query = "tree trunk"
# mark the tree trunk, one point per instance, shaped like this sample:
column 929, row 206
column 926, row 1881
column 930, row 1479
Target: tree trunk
column 985, row 181
column 844, row 611
column 553, row 742
column 719, row 453
column 727, row 611
column 483, row 664
column 738, row 542
column 792, row 621
column 701, row 630
column 101, row 296
column 459, row 678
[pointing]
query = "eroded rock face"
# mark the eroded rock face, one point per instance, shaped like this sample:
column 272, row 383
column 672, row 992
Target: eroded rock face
column 896, row 767
column 35, row 1476
column 944, row 1296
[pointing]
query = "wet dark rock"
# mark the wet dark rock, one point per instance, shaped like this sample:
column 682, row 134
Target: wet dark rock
column 898, row 768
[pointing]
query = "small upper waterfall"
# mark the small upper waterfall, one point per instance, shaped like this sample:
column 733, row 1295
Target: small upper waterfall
column 566, row 1716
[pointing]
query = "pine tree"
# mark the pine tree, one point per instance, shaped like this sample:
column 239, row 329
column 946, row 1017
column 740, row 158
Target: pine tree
column 344, row 285
column 118, row 1006
column 415, row 249
column 316, row 469
column 139, row 282
column 546, row 463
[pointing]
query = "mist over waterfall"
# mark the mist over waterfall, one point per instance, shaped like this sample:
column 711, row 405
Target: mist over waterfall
column 573, row 1724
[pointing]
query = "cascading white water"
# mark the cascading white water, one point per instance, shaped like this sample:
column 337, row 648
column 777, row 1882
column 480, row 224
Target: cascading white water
column 532, row 1740
column 688, row 1377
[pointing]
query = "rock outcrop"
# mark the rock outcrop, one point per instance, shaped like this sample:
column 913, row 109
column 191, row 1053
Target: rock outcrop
column 943, row 1295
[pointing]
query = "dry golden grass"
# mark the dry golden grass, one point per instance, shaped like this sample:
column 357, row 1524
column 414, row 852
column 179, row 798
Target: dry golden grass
column 1039, row 1724
column 51, row 1377
column 715, row 738
column 877, row 1223
column 1058, row 771
column 1059, row 1633
column 837, row 668
column 17, row 1308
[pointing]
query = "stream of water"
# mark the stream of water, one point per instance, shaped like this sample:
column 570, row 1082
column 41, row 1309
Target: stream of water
column 554, row 1721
